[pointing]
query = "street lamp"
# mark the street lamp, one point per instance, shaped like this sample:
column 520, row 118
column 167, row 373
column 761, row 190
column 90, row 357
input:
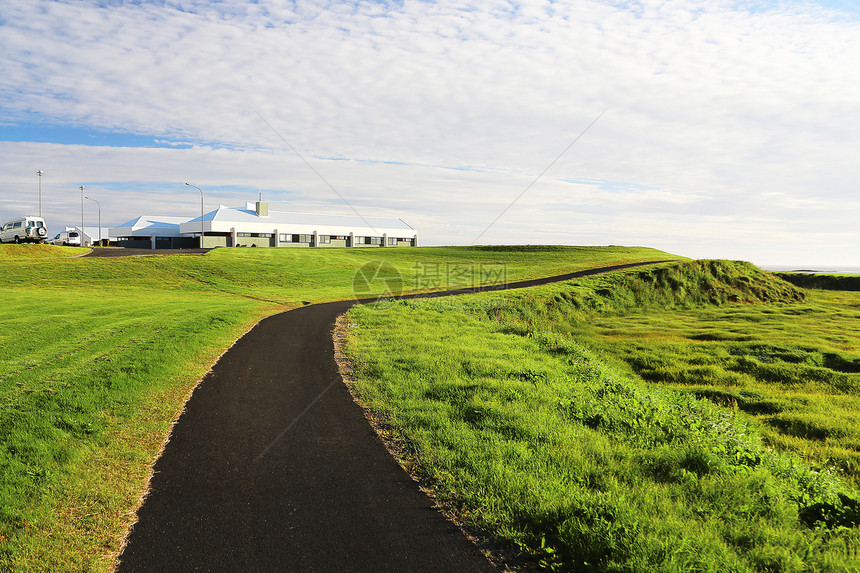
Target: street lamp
column 39, row 173
column 100, row 217
column 201, row 212
column 82, row 215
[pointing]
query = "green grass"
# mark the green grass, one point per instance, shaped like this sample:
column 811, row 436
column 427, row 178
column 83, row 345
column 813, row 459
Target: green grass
column 826, row 282
column 794, row 368
column 87, row 397
column 292, row 276
column 533, row 416
column 97, row 357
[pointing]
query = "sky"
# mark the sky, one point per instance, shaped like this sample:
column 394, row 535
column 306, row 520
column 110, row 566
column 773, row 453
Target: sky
column 705, row 128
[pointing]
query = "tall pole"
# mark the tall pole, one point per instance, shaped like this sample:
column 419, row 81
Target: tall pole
column 39, row 173
column 201, row 212
column 100, row 217
column 82, row 215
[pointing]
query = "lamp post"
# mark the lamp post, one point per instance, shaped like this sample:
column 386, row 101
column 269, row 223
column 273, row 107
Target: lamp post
column 39, row 173
column 82, row 215
column 201, row 212
column 100, row 217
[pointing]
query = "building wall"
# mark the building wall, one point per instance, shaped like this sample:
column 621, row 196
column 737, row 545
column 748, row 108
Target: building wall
column 210, row 241
column 160, row 242
column 296, row 240
column 244, row 239
column 363, row 242
column 334, row 243
column 136, row 243
column 260, row 240
column 177, row 242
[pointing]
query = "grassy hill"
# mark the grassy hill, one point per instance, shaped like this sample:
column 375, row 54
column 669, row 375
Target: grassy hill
column 684, row 417
column 97, row 357
column 826, row 282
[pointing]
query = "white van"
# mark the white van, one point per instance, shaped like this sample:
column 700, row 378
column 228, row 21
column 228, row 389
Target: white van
column 65, row 239
column 24, row 230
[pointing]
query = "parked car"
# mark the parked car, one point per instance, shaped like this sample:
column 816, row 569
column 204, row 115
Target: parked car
column 66, row 239
column 24, row 230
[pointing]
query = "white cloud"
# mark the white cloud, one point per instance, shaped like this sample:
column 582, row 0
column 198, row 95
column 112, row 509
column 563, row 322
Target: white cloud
column 741, row 113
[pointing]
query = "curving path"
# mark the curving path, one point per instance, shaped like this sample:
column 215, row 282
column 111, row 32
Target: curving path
column 273, row 467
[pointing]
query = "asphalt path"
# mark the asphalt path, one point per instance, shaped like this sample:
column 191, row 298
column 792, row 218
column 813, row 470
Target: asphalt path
column 273, row 467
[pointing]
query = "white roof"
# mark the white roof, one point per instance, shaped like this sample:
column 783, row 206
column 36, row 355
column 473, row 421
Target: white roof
column 93, row 233
column 245, row 220
column 146, row 225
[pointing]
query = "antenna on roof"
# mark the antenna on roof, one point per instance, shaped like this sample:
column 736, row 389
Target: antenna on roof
column 261, row 193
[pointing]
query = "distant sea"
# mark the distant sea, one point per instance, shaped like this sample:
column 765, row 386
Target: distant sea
column 822, row 269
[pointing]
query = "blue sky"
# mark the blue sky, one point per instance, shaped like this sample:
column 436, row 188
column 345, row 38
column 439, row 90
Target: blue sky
column 728, row 127
column 66, row 135
column 848, row 7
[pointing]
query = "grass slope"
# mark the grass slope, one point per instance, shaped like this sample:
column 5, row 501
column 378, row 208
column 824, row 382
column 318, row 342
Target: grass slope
column 531, row 425
column 97, row 357
column 820, row 281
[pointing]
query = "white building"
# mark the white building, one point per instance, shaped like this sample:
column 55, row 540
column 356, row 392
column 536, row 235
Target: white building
column 154, row 232
column 255, row 225
column 92, row 235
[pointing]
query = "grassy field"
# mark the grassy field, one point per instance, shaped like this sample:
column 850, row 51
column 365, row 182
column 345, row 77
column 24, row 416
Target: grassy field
column 97, row 357
column 694, row 417
column 795, row 369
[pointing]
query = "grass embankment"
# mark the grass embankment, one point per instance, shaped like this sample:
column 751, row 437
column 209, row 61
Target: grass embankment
column 825, row 282
column 524, row 413
column 98, row 355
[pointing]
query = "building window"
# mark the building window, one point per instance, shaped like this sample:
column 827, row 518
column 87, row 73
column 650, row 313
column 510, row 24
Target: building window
column 290, row 238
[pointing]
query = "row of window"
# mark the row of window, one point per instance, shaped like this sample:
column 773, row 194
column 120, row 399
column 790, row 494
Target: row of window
column 330, row 238
column 287, row 238
column 297, row 238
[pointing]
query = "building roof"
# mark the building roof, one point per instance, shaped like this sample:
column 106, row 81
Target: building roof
column 245, row 219
column 93, row 233
column 146, row 225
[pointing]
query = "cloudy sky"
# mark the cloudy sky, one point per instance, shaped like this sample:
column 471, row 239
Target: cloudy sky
column 707, row 128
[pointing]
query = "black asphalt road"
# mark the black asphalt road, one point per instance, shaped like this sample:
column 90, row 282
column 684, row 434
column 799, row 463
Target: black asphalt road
column 273, row 467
